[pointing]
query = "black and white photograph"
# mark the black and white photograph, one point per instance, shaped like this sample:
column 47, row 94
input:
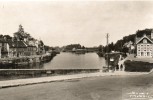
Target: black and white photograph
column 76, row 49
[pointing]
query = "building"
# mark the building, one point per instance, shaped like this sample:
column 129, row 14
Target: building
column 16, row 48
column 144, row 45
column 34, row 46
column 22, row 44
column 4, row 48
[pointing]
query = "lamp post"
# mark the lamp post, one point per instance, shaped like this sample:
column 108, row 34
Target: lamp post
column 107, row 40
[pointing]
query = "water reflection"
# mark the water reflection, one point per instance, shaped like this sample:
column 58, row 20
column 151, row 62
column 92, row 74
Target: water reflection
column 66, row 61
column 76, row 61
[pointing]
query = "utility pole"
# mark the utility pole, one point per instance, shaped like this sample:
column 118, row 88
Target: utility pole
column 107, row 41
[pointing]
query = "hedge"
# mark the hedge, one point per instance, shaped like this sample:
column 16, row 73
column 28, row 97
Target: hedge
column 138, row 66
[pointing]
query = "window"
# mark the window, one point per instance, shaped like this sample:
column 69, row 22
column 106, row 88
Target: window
column 142, row 54
column 144, row 40
column 148, row 53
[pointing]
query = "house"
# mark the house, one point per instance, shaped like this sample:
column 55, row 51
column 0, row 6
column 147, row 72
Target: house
column 31, row 47
column 144, row 45
column 17, row 48
column 34, row 46
column 11, row 47
column 22, row 44
column 4, row 47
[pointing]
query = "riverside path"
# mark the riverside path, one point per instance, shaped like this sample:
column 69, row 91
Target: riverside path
column 93, row 88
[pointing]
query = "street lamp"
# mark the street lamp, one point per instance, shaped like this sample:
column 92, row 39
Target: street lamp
column 107, row 37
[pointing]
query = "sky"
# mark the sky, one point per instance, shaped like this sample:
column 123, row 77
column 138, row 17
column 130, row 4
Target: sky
column 60, row 23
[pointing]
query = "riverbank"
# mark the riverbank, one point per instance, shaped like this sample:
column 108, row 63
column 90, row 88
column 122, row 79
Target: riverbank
column 22, row 82
column 18, row 62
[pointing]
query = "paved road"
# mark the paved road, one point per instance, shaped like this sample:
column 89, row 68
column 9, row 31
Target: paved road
column 97, row 88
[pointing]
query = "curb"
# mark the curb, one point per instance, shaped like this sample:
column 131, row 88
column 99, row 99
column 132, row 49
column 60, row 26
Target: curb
column 53, row 79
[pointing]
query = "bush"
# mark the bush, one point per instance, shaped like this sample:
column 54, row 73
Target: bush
column 138, row 66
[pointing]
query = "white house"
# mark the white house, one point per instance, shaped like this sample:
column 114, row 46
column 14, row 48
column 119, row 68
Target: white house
column 144, row 46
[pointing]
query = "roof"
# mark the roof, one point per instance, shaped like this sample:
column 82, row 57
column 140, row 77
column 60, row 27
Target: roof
column 138, row 39
column 29, row 45
column 17, row 44
column 3, row 40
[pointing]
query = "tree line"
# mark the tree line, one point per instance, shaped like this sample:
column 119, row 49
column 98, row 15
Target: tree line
column 119, row 45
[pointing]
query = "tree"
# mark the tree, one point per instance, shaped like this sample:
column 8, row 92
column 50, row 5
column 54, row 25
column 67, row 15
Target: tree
column 7, row 37
column 83, row 47
column 47, row 48
column 125, row 49
column 100, row 48
column 111, row 47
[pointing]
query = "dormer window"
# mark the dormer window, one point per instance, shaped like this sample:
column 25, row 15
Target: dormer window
column 144, row 40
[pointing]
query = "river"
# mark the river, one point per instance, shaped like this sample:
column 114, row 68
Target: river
column 66, row 60
column 75, row 61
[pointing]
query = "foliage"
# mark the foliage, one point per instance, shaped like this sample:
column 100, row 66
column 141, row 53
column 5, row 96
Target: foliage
column 138, row 66
column 47, row 48
column 6, row 37
column 100, row 48
column 140, row 33
column 125, row 49
column 118, row 46
column 76, row 46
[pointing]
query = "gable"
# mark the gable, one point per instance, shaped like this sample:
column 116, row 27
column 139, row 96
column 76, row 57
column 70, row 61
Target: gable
column 144, row 39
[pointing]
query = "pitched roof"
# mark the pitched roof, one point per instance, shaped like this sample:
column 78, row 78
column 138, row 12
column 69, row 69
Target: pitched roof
column 145, row 36
column 17, row 44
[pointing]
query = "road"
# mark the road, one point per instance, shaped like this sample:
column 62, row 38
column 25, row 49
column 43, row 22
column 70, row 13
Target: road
column 95, row 88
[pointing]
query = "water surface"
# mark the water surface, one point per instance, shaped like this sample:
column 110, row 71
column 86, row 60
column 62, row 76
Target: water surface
column 75, row 61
